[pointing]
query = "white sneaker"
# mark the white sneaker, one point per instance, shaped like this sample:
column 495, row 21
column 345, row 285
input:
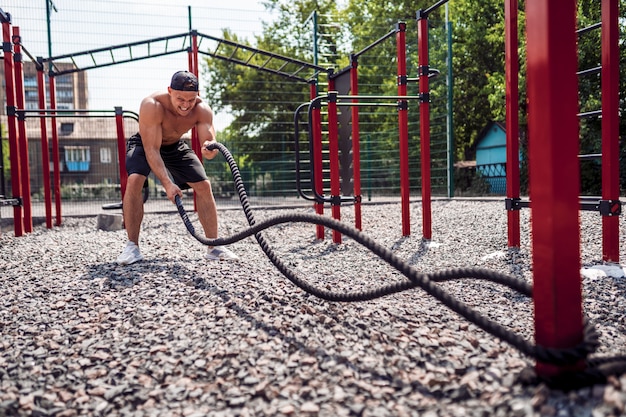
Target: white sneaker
column 220, row 253
column 130, row 254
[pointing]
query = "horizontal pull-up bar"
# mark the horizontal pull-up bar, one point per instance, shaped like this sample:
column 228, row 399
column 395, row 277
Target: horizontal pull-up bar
column 432, row 73
column 590, row 71
column 73, row 113
column 589, row 114
column 126, row 45
column 366, row 97
column 589, row 28
column 165, row 48
column 376, row 42
column 426, row 12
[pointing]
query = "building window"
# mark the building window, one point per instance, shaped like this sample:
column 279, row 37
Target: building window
column 30, row 81
column 105, row 155
column 77, row 158
column 67, row 128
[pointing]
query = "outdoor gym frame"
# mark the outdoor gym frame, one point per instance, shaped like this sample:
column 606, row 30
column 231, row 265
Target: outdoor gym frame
column 286, row 67
column 553, row 124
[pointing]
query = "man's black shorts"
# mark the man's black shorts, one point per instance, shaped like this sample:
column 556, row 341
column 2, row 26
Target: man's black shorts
column 180, row 160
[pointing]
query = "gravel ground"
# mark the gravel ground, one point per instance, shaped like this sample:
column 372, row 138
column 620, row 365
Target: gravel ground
column 175, row 335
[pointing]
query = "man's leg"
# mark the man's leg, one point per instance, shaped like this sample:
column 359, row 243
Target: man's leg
column 207, row 209
column 133, row 206
column 207, row 214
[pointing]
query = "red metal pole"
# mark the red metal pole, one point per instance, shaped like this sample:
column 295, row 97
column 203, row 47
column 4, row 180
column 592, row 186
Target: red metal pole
column 318, row 180
column 422, row 39
column 16, row 186
column 55, row 150
column 356, row 147
column 333, row 157
column 121, row 148
column 554, row 175
column 610, row 127
column 45, row 151
column 403, row 125
column 18, row 69
column 512, row 119
column 193, row 68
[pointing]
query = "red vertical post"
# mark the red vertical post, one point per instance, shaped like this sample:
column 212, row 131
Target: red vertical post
column 356, row 146
column 422, row 39
column 403, row 126
column 318, row 180
column 121, row 148
column 14, row 154
column 512, row 119
column 56, row 163
column 18, row 69
column 554, row 176
column 45, row 151
column 610, row 127
column 193, row 68
column 333, row 157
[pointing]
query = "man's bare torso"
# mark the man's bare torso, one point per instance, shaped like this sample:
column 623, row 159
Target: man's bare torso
column 173, row 125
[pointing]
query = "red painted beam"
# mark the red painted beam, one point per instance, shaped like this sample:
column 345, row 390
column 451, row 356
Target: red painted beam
column 20, row 99
column 422, row 40
column 512, row 118
column 56, row 162
column 403, row 126
column 16, row 185
column 45, row 151
column 610, row 126
column 554, row 174
column 356, row 146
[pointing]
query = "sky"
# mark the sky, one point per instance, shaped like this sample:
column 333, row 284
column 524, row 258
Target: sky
column 81, row 25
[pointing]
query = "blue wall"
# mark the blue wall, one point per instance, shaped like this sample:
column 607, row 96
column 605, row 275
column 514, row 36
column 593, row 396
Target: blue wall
column 491, row 156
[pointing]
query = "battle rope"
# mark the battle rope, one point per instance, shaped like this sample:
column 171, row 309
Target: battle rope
column 596, row 369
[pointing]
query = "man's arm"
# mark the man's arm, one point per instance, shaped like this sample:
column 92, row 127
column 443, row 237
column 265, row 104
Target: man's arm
column 206, row 130
column 150, row 119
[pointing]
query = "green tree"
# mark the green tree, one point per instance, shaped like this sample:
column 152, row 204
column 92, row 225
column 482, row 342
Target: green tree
column 262, row 104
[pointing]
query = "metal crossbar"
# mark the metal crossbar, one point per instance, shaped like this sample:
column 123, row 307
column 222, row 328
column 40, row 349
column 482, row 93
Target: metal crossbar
column 265, row 59
column 93, row 55
column 300, row 70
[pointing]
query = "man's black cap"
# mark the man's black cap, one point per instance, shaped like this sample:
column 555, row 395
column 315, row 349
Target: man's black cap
column 184, row 81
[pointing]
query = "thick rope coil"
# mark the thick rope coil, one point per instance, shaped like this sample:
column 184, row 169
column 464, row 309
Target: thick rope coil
column 597, row 369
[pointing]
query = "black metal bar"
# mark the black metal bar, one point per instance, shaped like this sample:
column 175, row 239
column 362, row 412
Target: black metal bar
column 590, row 156
column 370, row 46
column 590, row 114
column 435, row 6
column 104, row 49
column 108, row 64
column 4, row 17
column 75, row 113
column 316, row 196
column 38, row 65
column 589, row 71
column 258, row 67
column 589, row 28
column 297, row 153
column 11, row 201
column 586, row 203
column 265, row 53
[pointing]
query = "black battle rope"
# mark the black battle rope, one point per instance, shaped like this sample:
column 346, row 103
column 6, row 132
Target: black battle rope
column 597, row 368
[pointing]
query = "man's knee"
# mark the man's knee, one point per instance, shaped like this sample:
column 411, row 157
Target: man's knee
column 135, row 183
column 201, row 187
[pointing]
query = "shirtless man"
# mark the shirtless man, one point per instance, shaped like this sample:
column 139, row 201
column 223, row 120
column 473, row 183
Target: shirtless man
column 163, row 118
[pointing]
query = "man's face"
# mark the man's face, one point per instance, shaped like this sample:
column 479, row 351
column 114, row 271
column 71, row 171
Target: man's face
column 183, row 101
